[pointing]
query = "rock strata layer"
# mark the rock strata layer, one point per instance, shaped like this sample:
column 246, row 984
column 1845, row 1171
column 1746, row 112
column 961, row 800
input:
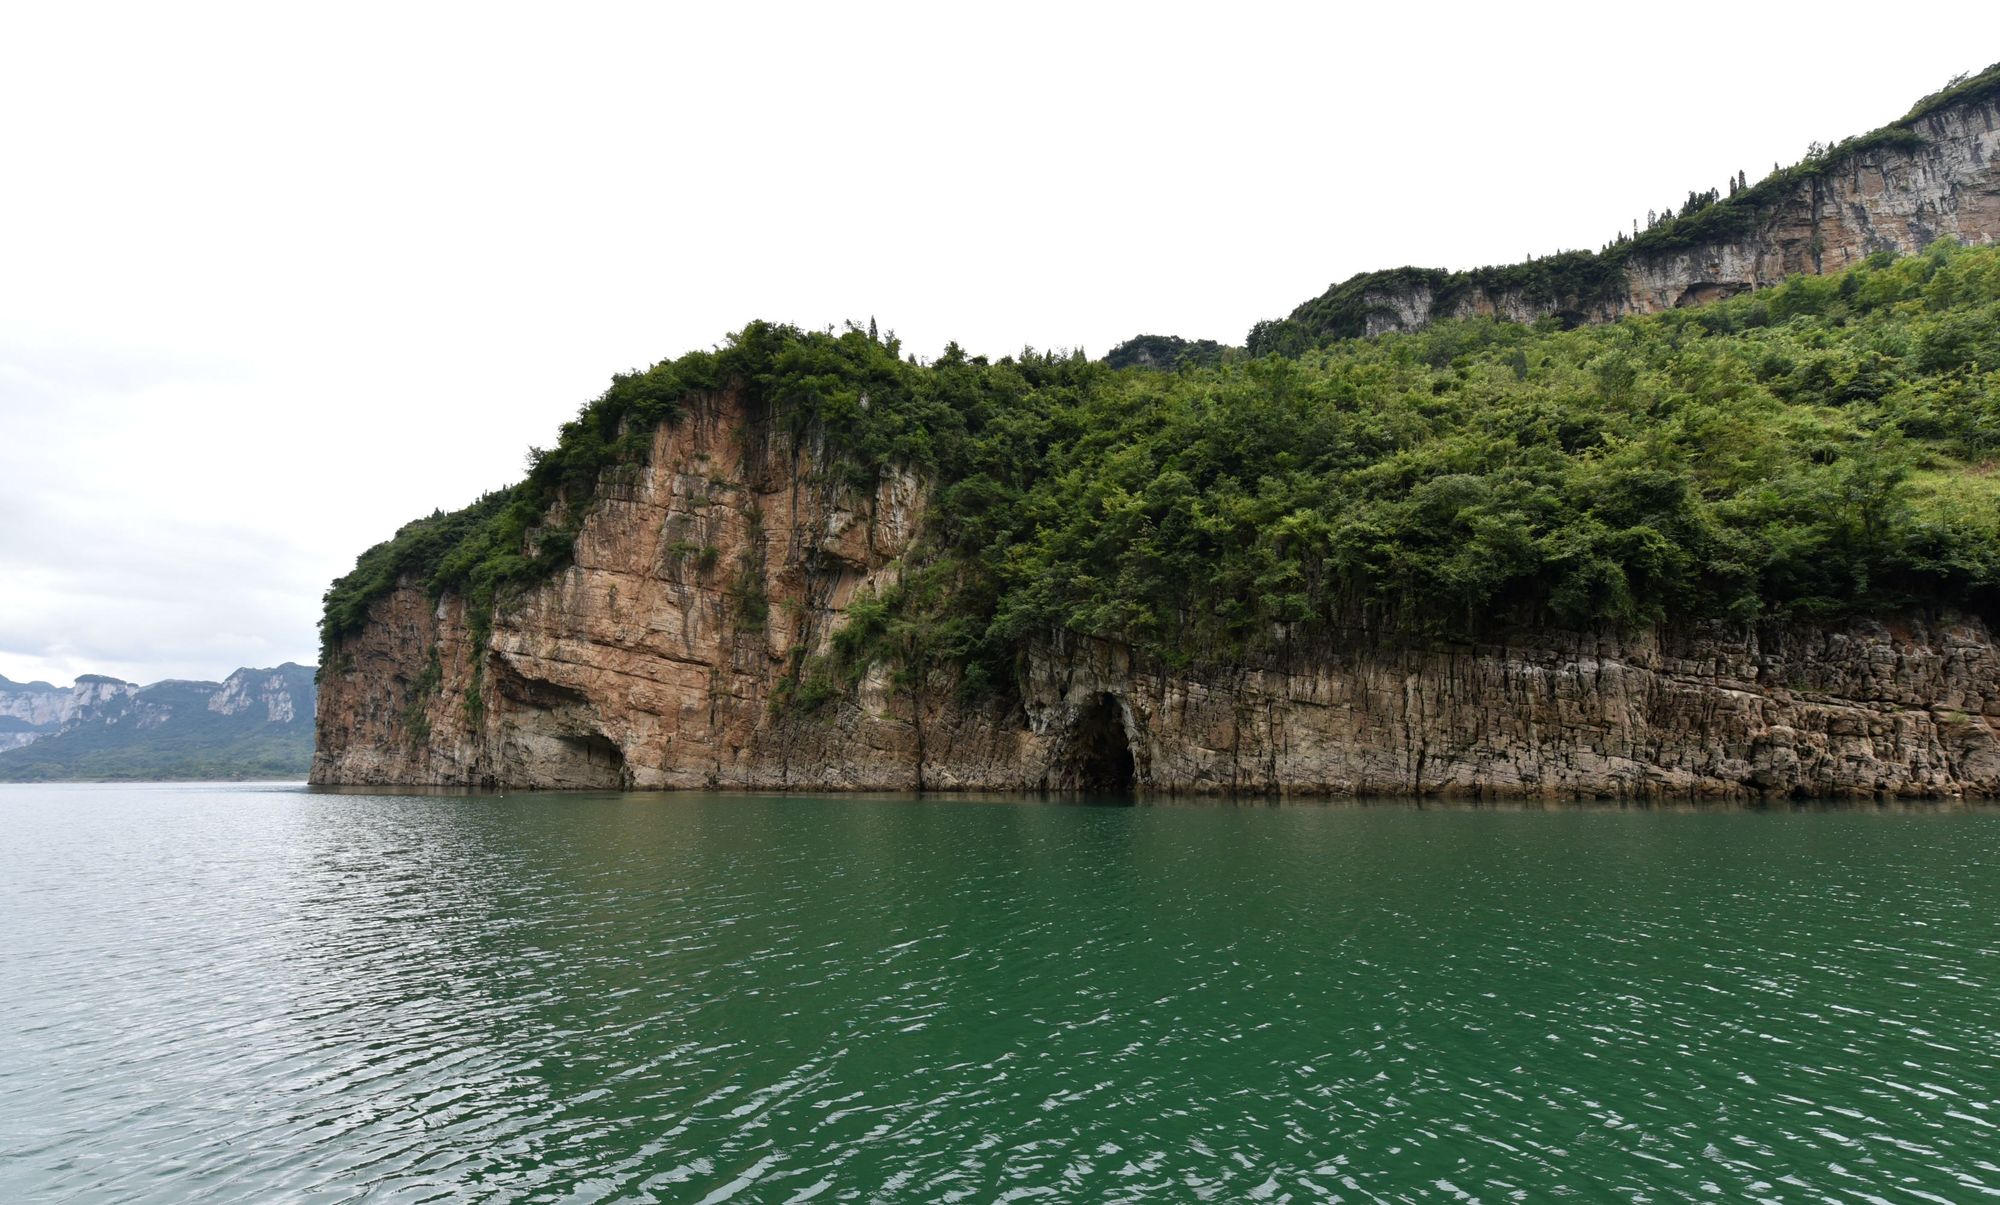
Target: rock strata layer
column 1892, row 197
column 700, row 577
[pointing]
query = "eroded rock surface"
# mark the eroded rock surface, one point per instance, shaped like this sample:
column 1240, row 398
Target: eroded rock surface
column 652, row 662
column 700, row 578
column 1883, row 199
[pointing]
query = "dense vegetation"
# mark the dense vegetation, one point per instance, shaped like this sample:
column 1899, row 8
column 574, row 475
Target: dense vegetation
column 1582, row 279
column 1818, row 449
column 1166, row 352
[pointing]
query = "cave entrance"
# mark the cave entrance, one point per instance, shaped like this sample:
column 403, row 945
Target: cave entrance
column 1103, row 763
column 595, row 761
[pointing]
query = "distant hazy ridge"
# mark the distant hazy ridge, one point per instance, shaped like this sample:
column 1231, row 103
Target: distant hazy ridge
column 257, row 723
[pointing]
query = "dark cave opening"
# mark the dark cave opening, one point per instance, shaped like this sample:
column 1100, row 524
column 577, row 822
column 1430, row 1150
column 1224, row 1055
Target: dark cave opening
column 599, row 762
column 1104, row 764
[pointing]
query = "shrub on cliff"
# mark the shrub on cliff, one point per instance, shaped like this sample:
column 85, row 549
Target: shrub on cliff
column 1166, row 352
column 1581, row 279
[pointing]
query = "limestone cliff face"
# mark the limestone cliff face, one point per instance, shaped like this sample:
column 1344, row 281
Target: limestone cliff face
column 257, row 691
column 701, row 578
column 651, row 662
column 32, row 710
column 1881, row 199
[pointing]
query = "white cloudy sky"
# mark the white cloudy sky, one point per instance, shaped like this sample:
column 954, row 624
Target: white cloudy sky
column 275, row 278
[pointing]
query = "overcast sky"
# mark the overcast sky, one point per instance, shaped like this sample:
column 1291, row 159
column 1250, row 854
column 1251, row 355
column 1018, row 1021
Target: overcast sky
column 276, row 278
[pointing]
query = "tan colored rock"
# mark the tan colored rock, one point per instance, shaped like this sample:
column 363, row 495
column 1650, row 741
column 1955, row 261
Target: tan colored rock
column 645, row 664
column 637, row 667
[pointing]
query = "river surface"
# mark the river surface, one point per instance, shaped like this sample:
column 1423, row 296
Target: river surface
column 258, row 993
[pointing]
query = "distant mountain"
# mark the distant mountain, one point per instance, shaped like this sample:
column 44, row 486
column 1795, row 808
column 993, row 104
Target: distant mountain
column 257, row 723
column 32, row 710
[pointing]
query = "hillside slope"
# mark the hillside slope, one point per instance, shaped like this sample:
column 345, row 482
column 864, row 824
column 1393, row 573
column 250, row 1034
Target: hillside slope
column 257, row 723
column 32, row 710
column 1925, row 176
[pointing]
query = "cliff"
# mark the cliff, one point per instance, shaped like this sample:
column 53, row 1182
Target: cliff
column 1898, row 189
column 1728, row 547
column 651, row 662
column 640, row 666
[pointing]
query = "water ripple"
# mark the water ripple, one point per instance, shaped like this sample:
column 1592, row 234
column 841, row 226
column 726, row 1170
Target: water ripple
column 256, row 994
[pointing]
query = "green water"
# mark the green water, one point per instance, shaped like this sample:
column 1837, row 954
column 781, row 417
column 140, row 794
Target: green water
column 268, row 994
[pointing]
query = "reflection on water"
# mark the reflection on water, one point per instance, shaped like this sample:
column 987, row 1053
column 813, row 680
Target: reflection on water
column 255, row 993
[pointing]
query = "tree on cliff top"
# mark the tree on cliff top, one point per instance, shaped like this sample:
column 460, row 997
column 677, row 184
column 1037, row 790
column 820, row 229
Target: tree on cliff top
column 1816, row 449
